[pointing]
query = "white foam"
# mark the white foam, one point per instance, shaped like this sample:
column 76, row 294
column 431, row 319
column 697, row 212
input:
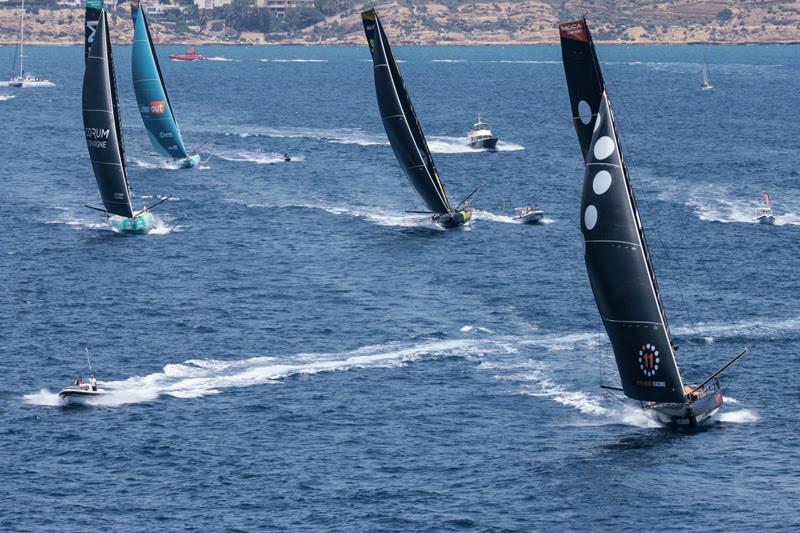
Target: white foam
column 718, row 205
column 4, row 97
column 460, row 145
column 196, row 378
column 293, row 60
column 338, row 136
column 255, row 156
column 219, row 58
column 740, row 416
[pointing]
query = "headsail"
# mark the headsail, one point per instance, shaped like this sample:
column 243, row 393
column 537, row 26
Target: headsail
column 151, row 94
column 101, row 123
column 706, row 81
column 400, row 120
column 616, row 254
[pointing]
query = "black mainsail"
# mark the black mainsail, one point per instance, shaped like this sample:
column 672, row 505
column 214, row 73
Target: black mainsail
column 400, row 121
column 617, row 258
column 102, row 124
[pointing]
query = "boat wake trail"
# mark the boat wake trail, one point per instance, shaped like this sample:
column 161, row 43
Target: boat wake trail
column 505, row 219
column 260, row 158
column 293, row 60
column 715, row 207
column 220, row 58
column 196, row 378
column 339, row 136
column 163, row 225
column 155, row 162
column 460, row 145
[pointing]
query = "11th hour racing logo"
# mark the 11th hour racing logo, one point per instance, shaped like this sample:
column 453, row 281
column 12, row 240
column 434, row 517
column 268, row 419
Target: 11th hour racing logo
column 97, row 137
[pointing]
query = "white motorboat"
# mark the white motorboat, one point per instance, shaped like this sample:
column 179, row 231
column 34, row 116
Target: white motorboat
column 764, row 214
column 80, row 394
column 528, row 215
column 481, row 136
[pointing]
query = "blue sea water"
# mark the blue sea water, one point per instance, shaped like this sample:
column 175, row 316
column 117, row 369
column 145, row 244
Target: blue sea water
column 292, row 351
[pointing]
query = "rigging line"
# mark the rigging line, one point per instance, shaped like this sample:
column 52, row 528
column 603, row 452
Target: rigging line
column 660, row 236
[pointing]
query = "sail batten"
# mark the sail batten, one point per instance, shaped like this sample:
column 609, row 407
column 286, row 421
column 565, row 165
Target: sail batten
column 102, row 124
column 152, row 98
column 400, row 120
column 617, row 259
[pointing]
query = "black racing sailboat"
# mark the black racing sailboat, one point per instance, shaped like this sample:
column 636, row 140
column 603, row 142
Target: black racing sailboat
column 102, row 127
column 617, row 258
column 404, row 132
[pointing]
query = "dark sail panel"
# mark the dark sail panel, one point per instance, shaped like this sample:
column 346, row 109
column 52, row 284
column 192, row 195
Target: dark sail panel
column 584, row 79
column 94, row 8
column 621, row 275
column 400, row 121
column 101, row 124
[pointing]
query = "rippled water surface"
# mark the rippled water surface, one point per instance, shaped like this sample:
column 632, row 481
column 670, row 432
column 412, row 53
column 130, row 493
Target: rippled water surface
column 292, row 350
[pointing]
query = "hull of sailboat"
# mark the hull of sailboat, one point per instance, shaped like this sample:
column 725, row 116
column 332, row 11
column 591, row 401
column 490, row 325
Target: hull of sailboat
column 24, row 84
column 690, row 414
column 706, row 87
column 453, row 220
column 189, row 162
column 137, row 225
column 484, row 144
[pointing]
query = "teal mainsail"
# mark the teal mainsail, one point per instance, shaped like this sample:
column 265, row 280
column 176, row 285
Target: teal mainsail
column 151, row 94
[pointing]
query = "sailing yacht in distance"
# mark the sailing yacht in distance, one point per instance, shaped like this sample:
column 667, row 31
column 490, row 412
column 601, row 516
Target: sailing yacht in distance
column 404, row 132
column 19, row 78
column 618, row 261
column 151, row 95
column 706, row 80
column 103, row 130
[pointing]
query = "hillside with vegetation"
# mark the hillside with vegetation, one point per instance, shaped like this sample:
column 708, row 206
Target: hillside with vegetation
column 432, row 22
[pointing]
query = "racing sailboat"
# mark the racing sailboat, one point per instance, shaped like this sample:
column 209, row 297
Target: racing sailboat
column 151, row 95
column 617, row 259
column 20, row 78
column 102, row 127
column 404, row 132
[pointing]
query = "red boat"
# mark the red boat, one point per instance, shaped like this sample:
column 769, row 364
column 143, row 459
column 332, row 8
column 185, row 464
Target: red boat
column 190, row 55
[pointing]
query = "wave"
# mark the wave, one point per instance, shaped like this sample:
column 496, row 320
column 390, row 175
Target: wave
column 220, row 58
column 339, row 136
column 460, row 145
column 449, row 61
column 718, row 206
column 377, row 216
column 293, row 60
column 4, row 97
column 246, row 156
column 197, row 378
column 505, row 219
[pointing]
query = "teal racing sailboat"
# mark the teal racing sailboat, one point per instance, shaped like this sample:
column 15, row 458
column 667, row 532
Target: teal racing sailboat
column 151, row 95
column 102, row 128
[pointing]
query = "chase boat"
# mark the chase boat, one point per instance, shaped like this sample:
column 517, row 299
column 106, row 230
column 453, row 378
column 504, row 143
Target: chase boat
column 528, row 215
column 481, row 136
column 764, row 213
column 79, row 394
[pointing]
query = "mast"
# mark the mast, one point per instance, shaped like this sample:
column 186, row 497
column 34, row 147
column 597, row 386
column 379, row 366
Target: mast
column 617, row 258
column 21, row 38
column 152, row 98
column 400, row 120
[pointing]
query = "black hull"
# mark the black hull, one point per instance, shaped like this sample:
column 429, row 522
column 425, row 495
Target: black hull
column 485, row 144
column 453, row 220
column 691, row 414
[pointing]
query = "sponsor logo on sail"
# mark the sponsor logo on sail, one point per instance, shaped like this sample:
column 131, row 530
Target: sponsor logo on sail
column 157, row 108
column 573, row 30
column 649, row 360
column 97, row 137
column 119, row 196
column 165, row 134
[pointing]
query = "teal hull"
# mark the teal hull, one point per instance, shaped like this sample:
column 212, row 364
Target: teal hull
column 190, row 162
column 141, row 224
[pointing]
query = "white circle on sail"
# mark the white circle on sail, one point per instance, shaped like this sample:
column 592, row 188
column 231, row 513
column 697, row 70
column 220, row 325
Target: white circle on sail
column 604, row 147
column 590, row 217
column 601, row 182
column 597, row 123
column 584, row 112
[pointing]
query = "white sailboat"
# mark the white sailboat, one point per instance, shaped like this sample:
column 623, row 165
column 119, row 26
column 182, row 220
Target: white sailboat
column 20, row 78
column 706, row 81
